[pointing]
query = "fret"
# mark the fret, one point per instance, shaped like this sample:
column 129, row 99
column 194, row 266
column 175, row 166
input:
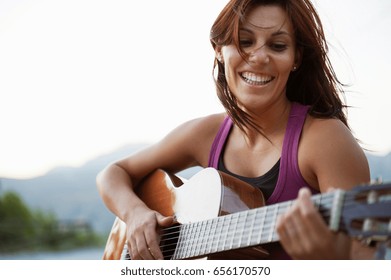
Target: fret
column 275, row 208
column 190, row 240
column 242, row 231
column 207, row 240
column 218, row 233
column 250, row 235
column 279, row 209
column 254, row 234
column 180, row 251
column 232, row 232
column 262, row 212
column 196, row 237
column 202, row 240
column 185, row 247
column 335, row 211
column 226, row 224
column 199, row 238
column 214, row 234
column 282, row 207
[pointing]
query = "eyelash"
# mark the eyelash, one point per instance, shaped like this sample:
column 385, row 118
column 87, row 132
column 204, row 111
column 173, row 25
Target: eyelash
column 277, row 47
column 245, row 43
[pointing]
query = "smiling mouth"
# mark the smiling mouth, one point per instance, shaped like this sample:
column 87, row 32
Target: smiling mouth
column 256, row 79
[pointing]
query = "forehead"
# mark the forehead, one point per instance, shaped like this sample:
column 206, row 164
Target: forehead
column 267, row 17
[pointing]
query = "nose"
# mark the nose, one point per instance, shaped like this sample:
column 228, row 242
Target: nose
column 259, row 55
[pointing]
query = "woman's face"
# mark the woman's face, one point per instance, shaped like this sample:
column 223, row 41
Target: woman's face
column 267, row 37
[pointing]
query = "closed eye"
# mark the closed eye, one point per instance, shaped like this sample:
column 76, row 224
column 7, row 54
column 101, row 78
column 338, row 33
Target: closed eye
column 278, row 47
column 245, row 43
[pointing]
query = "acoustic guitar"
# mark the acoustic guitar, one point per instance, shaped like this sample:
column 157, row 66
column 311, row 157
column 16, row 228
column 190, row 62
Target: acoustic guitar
column 219, row 216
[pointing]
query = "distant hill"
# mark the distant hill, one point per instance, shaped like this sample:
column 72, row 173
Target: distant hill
column 71, row 192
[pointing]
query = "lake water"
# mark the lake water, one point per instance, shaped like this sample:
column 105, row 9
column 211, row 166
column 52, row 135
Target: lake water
column 79, row 254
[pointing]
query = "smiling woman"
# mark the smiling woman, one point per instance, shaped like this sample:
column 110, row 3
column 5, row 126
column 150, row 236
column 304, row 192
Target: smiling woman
column 266, row 40
column 283, row 108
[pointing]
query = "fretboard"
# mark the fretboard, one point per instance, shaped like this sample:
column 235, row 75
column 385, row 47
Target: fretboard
column 238, row 230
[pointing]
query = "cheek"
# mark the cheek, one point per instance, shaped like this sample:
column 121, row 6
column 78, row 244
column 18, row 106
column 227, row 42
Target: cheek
column 229, row 72
column 231, row 58
column 230, row 66
column 286, row 63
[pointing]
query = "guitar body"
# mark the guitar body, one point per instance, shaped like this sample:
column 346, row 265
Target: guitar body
column 209, row 194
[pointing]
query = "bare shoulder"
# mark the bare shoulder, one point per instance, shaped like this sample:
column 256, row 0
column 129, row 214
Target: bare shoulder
column 192, row 140
column 330, row 156
column 327, row 130
column 205, row 125
column 198, row 132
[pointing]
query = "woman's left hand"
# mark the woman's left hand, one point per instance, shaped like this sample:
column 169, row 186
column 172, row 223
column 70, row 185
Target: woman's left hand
column 304, row 234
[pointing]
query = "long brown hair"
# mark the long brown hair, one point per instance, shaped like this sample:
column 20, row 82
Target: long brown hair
column 314, row 83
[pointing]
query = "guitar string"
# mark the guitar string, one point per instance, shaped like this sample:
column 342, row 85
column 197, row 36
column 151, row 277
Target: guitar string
column 170, row 252
column 261, row 209
column 265, row 227
column 205, row 247
column 320, row 202
column 221, row 225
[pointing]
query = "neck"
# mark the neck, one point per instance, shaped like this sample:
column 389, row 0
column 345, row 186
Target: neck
column 272, row 121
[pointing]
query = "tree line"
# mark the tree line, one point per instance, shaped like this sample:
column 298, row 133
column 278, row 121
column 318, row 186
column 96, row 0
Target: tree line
column 25, row 229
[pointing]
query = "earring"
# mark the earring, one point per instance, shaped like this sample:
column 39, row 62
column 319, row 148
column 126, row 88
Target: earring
column 294, row 68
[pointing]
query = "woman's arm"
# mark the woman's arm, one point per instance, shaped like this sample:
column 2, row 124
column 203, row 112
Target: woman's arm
column 186, row 146
column 329, row 157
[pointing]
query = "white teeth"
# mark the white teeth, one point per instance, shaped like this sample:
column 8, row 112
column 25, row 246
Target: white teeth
column 255, row 79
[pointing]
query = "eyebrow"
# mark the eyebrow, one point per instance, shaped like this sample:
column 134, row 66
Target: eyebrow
column 276, row 33
column 281, row 32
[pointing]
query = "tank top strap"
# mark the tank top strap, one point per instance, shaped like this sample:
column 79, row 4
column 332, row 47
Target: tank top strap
column 290, row 179
column 219, row 141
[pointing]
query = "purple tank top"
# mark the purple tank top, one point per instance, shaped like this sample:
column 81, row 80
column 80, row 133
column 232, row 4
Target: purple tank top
column 290, row 179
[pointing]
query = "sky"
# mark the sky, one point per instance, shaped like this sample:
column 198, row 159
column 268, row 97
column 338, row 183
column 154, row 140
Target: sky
column 81, row 78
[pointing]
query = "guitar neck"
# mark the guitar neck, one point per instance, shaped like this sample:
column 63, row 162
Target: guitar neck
column 239, row 230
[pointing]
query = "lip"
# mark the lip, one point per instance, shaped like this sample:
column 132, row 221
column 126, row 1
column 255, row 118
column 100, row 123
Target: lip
column 256, row 79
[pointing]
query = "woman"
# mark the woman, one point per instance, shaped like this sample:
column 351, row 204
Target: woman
column 284, row 128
